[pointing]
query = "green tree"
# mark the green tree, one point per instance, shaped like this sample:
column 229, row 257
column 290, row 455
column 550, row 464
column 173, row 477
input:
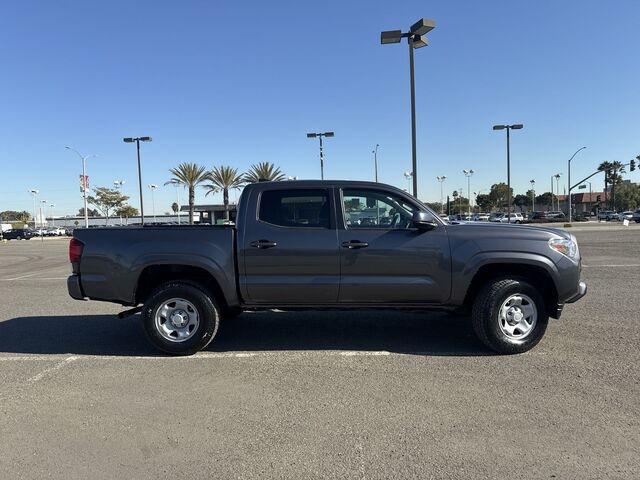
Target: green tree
column 263, row 172
column 127, row 211
column 615, row 179
column 522, row 201
column 483, row 201
column 15, row 216
column 544, row 199
column 224, row 179
column 606, row 168
column 106, row 200
column 189, row 175
column 628, row 196
column 499, row 194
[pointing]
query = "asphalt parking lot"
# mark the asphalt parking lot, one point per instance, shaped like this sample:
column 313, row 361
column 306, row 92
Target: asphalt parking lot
column 319, row 395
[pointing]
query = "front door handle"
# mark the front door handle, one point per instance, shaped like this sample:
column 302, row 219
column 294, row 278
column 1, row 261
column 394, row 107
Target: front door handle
column 263, row 244
column 355, row 244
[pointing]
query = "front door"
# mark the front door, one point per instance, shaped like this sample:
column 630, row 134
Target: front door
column 383, row 258
column 290, row 248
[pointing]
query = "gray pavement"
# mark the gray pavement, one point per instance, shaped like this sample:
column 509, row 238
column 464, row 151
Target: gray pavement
column 318, row 395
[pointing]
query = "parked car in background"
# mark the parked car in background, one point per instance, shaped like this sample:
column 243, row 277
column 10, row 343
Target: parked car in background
column 18, row 234
column 555, row 214
column 636, row 216
column 502, row 218
column 480, row 217
column 538, row 215
column 605, row 215
column 627, row 215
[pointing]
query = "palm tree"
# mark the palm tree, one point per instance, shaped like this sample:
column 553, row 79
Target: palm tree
column 223, row 179
column 190, row 175
column 617, row 169
column 606, row 168
column 263, row 172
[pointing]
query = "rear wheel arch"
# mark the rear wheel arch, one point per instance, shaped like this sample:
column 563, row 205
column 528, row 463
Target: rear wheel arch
column 153, row 276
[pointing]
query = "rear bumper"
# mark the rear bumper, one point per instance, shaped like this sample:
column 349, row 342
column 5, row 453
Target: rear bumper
column 74, row 288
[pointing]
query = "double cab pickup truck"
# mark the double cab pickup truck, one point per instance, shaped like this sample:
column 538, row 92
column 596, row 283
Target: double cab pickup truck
column 328, row 245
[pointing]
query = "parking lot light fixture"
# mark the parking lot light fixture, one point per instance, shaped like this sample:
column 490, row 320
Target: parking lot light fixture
column 137, row 141
column 569, row 179
column 416, row 38
column 468, row 174
column 152, row 187
column 34, row 193
column 441, row 179
column 408, row 176
column 508, row 128
column 83, row 182
column 320, row 135
column 557, row 177
column 533, row 194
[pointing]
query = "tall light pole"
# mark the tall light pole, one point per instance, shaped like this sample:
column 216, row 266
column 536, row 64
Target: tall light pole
column 34, row 193
column 416, row 38
column 508, row 128
column 43, row 208
column 569, row 178
column 375, row 162
column 137, row 140
column 320, row 135
column 557, row 177
column 441, row 179
column 53, row 220
column 152, row 187
column 408, row 176
column 468, row 173
column 83, row 183
column 118, row 184
column 533, row 194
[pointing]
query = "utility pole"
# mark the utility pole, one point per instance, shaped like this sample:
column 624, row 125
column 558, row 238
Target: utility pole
column 375, row 162
column 533, row 194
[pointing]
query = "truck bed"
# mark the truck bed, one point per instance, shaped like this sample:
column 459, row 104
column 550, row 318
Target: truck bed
column 113, row 259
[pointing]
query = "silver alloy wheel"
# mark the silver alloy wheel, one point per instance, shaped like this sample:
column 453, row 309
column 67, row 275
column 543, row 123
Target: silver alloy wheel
column 177, row 320
column 517, row 316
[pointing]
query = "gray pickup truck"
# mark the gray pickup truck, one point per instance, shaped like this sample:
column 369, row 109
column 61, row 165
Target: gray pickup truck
column 329, row 244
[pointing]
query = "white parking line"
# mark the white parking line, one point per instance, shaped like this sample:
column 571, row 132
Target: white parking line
column 47, row 371
column 612, row 265
column 62, row 358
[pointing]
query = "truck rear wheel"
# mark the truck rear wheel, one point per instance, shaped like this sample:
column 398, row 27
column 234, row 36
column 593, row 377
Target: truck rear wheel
column 509, row 316
column 180, row 319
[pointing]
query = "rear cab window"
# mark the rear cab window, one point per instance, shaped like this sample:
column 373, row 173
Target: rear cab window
column 296, row 208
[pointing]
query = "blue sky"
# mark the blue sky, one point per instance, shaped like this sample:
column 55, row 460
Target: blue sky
column 224, row 82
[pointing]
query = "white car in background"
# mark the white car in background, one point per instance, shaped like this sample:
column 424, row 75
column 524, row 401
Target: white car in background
column 502, row 218
column 480, row 217
column 628, row 215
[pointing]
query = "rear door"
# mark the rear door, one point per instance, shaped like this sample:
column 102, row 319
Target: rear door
column 383, row 258
column 290, row 247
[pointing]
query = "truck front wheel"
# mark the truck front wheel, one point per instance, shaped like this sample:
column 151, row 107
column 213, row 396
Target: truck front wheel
column 509, row 316
column 180, row 319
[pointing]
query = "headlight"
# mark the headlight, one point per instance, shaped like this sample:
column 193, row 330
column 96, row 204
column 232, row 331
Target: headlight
column 565, row 246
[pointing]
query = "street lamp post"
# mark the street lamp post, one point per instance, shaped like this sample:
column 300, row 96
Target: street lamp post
column 569, row 178
column 34, row 193
column 416, row 38
column 441, row 179
column 468, row 173
column 517, row 126
column 153, row 187
column 43, row 211
column 557, row 177
column 533, row 194
column 375, row 162
column 118, row 184
column 137, row 140
column 320, row 135
column 408, row 176
column 53, row 220
column 83, row 183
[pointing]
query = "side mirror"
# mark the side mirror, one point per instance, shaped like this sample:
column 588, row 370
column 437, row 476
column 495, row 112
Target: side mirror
column 423, row 221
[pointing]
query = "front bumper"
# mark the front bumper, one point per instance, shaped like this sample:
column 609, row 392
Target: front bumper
column 582, row 291
column 74, row 288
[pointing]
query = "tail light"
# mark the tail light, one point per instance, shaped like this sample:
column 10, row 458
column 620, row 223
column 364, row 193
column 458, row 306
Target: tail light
column 75, row 250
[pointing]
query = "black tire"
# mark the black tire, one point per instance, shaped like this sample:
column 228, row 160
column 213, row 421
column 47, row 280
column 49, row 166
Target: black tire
column 486, row 309
column 208, row 316
column 19, row 237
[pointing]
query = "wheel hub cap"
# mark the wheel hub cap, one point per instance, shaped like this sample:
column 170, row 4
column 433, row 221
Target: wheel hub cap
column 517, row 316
column 176, row 320
column 179, row 318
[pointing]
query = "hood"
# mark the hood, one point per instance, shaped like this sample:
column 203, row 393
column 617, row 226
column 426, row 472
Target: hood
column 510, row 229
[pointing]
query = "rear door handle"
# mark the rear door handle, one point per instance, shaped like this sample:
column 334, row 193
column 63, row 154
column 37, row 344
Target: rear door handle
column 355, row 244
column 263, row 244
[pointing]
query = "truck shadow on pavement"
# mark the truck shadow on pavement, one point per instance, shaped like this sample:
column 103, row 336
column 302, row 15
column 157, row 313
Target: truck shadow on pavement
column 418, row 333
